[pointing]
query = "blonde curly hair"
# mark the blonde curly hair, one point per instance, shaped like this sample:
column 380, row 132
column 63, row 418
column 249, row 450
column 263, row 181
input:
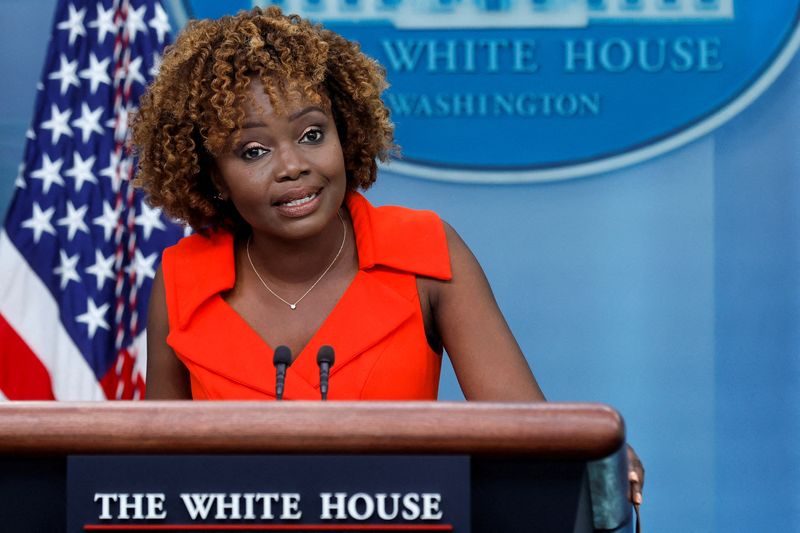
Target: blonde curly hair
column 193, row 109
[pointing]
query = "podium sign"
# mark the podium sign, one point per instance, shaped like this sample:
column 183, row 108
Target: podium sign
column 262, row 493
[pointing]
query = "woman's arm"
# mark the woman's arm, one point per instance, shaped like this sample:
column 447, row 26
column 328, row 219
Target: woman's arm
column 486, row 358
column 167, row 378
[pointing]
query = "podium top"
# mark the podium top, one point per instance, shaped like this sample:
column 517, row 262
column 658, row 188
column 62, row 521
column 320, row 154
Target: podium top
column 547, row 430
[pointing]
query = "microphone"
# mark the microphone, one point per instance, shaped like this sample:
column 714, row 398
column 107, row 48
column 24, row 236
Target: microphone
column 281, row 360
column 325, row 360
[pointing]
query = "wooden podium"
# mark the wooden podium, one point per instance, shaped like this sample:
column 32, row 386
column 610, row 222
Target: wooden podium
column 532, row 467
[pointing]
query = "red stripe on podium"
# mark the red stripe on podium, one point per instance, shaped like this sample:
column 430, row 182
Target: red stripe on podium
column 268, row 527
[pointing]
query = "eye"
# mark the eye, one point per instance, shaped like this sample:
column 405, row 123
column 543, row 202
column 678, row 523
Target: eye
column 252, row 152
column 312, row 135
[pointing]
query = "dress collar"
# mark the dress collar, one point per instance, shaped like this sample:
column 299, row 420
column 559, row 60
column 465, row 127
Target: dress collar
column 389, row 236
column 400, row 238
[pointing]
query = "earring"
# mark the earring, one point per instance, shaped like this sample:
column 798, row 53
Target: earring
column 219, row 197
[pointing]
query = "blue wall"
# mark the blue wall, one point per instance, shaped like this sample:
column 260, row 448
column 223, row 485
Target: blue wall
column 669, row 289
column 757, row 322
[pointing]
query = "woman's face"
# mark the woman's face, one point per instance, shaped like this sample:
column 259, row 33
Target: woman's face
column 285, row 174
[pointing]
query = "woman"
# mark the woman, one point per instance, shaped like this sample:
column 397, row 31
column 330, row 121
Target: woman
column 258, row 132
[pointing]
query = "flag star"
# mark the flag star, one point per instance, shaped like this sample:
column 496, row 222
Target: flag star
column 142, row 266
column 187, row 230
column 108, row 220
column 20, row 181
column 134, row 73
column 156, row 65
column 94, row 317
column 39, row 86
column 102, row 269
column 30, row 134
column 68, row 269
column 117, row 171
column 112, row 122
column 104, row 23
column 74, row 24
column 112, row 170
column 148, row 219
column 58, row 123
column 97, row 72
column 160, row 23
column 124, row 174
column 135, row 22
column 49, row 173
column 89, row 121
column 74, row 220
column 119, row 123
column 40, row 222
column 81, row 170
column 67, row 74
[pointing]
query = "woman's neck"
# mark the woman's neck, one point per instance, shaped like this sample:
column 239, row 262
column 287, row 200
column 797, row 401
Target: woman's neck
column 300, row 260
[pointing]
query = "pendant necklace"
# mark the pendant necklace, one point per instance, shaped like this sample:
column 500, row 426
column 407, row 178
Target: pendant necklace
column 264, row 283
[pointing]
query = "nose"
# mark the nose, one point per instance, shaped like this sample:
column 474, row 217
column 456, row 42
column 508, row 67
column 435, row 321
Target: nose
column 290, row 164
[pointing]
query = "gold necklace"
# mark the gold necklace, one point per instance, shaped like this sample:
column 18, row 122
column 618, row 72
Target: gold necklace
column 264, row 283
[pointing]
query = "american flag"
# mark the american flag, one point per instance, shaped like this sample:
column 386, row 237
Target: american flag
column 79, row 247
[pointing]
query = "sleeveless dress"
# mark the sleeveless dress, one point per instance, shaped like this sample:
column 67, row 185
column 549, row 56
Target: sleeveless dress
column 376, row 328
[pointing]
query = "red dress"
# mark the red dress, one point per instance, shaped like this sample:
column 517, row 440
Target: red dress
column 376, row 328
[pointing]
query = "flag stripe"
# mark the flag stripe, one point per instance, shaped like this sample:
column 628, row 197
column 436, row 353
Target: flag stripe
column 22, row 375
column 27, row 304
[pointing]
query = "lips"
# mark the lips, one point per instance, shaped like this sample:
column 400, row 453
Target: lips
column 298, row 202
column 297, row 196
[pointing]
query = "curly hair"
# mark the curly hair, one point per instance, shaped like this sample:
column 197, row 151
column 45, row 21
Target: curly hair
column 194, row 108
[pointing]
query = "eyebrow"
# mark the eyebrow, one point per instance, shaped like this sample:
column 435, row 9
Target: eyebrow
column 294, row 116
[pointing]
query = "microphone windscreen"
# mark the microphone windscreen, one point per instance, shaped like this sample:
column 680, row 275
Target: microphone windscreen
column 283, row 356
column 325, row 355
